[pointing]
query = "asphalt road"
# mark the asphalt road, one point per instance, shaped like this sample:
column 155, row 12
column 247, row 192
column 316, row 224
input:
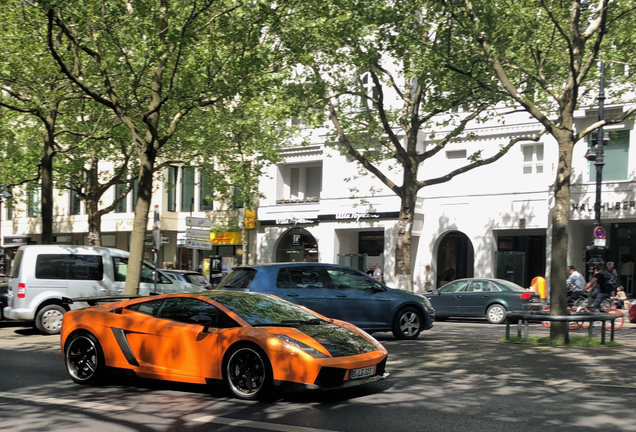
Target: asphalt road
column 459, row 376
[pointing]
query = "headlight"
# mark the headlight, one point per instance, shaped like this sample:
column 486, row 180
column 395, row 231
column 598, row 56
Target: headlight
column 301, row 346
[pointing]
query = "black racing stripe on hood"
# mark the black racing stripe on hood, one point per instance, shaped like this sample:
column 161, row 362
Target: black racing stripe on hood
column 339, row 341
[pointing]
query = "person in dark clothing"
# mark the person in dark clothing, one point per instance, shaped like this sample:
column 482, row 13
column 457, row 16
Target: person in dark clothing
column 599, row 280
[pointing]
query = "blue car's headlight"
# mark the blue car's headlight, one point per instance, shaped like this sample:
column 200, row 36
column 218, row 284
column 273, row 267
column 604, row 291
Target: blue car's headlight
column 302, row 346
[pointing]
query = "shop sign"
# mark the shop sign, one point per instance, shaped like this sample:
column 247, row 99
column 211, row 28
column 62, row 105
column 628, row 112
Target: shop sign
column 609, row 206
column 293, row 220
column 226, row 238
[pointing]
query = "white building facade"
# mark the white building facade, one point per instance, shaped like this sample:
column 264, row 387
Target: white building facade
column 494, row 221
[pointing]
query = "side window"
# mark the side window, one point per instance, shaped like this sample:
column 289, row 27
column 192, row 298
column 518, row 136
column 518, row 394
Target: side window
column 479, row 286
column 182, row 309
column 86, row 267
column 121, row 269
column 344, row 278
column 149, row 308
column 78, row 267
column 454, row 287
column 51, row 266
column 302, row 277
column 148, row 275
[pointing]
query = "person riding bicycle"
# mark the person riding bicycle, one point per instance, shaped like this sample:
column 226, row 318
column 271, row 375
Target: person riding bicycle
column 575, row 283
column 599, row 280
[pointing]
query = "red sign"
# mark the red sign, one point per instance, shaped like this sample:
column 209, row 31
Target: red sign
column 599, row 233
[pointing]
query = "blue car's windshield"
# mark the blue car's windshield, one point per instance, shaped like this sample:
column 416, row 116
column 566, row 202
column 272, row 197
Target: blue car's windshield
column 258, row 310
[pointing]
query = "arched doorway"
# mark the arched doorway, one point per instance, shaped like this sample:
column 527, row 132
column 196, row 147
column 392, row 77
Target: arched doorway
column 455, row 258
column 297, row 245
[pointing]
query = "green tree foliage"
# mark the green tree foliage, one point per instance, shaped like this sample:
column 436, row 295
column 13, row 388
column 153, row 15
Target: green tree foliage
column 389, row 75
column 155, row 62
column 544, row 55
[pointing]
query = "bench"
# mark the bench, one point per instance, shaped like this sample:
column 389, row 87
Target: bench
column 523, row 319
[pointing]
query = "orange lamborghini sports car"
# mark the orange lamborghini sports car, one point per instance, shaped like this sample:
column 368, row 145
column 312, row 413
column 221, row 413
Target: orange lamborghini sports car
column 250, row 341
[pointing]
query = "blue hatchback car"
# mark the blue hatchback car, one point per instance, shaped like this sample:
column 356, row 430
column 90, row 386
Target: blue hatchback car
column 339, row 292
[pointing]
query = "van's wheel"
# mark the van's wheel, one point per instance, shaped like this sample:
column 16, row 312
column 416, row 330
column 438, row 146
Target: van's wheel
column 49, row 319
column 84, row 358
column 408, row 323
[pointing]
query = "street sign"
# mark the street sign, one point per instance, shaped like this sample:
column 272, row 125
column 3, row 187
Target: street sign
column 599, row 233
column 201, row 234
column 199, row 222
column 198, row 244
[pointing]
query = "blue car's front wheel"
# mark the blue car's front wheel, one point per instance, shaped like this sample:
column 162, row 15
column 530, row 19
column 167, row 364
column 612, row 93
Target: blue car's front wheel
column 408, row 323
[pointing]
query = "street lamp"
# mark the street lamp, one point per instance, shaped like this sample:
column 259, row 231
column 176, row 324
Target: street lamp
column 599, row 248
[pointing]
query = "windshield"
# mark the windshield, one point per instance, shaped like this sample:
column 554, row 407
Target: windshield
column 241, row 278
column 259, row 310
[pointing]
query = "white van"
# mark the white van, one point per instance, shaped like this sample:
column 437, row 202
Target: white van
column 41, row 275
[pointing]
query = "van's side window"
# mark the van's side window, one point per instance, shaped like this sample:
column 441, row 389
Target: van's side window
column 121, row 268
column 74, row 267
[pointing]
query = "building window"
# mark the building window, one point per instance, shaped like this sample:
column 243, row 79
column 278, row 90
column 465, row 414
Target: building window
column 205, row 193
column 456, row 154
column 532, row 159
column 370, row 90
column 187, row 189
column 120, row 188
column 33, row 200
column 135, row 194
column 616, row 157
column 171, row 186
column 301, row 182
column 75, row 203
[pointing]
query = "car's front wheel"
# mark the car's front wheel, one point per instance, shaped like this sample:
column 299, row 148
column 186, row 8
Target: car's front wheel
column 84, row 358
column 247, row 372
column 408, row 323
column 496, row 314
column 49, row 319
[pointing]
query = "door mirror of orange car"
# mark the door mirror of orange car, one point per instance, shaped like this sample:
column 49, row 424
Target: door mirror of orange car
column 204, row 320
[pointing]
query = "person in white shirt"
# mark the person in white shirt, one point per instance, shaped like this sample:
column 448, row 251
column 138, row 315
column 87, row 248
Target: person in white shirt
column 575, row 281
column 429, row 279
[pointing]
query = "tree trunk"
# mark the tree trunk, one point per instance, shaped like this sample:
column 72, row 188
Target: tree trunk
column 94, row 223
column 560, row 223
column 140, row 222
column 46, row 200
column 404, row 235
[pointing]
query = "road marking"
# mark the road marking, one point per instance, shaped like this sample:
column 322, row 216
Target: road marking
column 257, row 424
column 59, row 401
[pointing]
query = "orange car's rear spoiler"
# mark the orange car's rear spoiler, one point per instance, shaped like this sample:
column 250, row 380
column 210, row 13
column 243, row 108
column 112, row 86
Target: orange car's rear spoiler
column 101, row 299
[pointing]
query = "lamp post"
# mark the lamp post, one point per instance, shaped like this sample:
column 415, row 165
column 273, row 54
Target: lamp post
column 599, row 248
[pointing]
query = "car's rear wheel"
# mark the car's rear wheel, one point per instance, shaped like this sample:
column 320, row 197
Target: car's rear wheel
column 49, row 319
column 247, row 372
column 408, row 323
column 84, row 358
column 496, row 314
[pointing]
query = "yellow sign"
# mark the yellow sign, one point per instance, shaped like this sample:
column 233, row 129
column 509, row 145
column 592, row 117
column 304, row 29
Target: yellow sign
column 226, row 238
column 250, row 219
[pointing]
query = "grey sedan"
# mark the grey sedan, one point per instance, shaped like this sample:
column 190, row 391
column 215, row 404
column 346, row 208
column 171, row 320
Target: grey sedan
column 489, row 298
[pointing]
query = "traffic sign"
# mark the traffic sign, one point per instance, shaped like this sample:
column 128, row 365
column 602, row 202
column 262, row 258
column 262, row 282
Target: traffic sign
column 201, row 234
column 599, row 233
column 198, row 244
column 199, row 222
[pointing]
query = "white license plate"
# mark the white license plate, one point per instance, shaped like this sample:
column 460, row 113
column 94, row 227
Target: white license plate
column 362, row 372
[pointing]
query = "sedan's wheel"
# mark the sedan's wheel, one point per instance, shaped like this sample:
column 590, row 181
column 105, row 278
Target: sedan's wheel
column 49, row 319
column 84, row 358
column 496, row 314
column 247, row 372
column 407, row 323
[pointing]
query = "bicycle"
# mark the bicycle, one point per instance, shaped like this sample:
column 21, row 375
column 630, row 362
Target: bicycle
column 618, row 322
column 575, row 325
